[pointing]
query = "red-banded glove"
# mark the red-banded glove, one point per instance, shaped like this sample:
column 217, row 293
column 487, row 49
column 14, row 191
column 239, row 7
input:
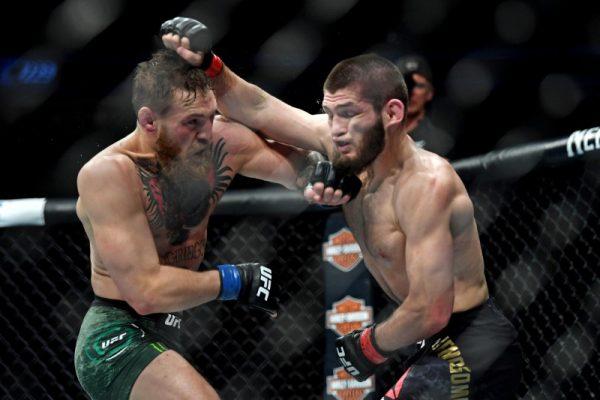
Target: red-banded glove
column 359, row 354
column 200, row 41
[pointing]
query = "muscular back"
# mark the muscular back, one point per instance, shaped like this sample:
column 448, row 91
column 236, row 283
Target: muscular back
column 387, row 209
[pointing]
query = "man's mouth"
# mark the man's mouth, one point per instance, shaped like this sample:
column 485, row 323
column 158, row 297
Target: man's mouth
column 343, row 147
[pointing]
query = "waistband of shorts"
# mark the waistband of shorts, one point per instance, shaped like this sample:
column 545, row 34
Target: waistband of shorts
column 120, row 304
column 471, row 313
column 123, row 305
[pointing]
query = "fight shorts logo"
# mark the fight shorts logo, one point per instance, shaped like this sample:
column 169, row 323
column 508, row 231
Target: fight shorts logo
column 348, row 315
column 342, row 251
column 583, row 141
column 173, row 321
column 342, row 386
column 111, row 343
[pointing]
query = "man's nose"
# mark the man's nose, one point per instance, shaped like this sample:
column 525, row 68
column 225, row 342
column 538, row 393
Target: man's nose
column 204, row 134
column 339, row 126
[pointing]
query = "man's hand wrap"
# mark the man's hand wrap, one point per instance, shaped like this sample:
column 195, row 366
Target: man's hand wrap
column 200, row 41
column 319, row 169
column 250, row 283
column 359, row 354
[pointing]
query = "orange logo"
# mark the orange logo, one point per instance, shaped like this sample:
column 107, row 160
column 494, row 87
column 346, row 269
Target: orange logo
column 342, row 386
column 348, row 315
column 342, row 251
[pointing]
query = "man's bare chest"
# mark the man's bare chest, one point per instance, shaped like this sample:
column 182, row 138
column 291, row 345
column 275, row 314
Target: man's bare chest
column 372, row 220
column 178, row 199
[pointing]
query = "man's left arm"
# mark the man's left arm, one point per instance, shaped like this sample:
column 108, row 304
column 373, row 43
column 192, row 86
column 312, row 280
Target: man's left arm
column 429, row 263
column 275, row 162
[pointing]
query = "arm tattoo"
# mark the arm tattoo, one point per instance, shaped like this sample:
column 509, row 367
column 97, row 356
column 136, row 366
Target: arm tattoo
column 222, row 179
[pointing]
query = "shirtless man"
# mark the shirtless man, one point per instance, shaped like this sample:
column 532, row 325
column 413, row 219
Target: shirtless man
column 413, row 220
column 145, row 202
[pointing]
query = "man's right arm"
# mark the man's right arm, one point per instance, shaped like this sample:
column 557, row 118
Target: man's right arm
column 125, row 245
column 255, row 108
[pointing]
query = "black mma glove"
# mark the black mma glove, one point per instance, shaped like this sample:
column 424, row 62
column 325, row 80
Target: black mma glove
column 321, row 170
column 250, row 283
column 359, row 354
column 200, row 41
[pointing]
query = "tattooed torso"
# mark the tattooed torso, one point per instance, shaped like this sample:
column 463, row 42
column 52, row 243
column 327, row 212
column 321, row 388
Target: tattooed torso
column 178, row 200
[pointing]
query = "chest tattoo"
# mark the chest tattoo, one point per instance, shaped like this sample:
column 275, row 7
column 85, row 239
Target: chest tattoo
column 179, row 195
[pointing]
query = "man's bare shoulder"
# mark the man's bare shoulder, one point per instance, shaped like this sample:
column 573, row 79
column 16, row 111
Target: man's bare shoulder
column 105, row 170
column 426, row 176
column 426, row 168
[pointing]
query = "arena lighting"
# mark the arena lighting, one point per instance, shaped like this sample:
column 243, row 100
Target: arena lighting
column 28, row 71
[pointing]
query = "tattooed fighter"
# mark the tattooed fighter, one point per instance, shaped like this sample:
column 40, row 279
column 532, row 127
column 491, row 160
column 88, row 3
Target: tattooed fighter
column 144, row 203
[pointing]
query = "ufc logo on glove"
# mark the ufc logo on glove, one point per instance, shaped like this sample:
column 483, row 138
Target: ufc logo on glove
column 265, row 279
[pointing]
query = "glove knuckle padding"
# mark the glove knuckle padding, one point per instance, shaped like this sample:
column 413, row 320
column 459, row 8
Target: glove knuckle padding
column 168, row 27
column 352, row 358
column 197, row 33
column 350, row 184
column 258, row 289
column 325, row 172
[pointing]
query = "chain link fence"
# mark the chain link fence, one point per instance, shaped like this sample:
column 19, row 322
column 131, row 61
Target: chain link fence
column 540, row 236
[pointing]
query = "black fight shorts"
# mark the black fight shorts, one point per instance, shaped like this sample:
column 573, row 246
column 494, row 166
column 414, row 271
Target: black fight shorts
column 476, row 356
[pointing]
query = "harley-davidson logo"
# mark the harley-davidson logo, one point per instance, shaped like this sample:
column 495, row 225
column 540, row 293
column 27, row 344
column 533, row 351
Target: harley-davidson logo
column 342, row 386
column 348, row 315
column 342, row 251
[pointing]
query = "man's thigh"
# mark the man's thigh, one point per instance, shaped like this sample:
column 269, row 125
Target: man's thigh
column 170, row 376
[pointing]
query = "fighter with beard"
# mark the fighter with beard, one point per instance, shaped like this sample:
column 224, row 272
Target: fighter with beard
column 414, row 222
column 145, row 202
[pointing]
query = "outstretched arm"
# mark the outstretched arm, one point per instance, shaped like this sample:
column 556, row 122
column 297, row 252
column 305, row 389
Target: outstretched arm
column 259, row 110
column 272, row 161
column 255, row 108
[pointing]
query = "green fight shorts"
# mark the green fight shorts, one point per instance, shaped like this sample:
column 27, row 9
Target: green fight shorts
column 115, row 344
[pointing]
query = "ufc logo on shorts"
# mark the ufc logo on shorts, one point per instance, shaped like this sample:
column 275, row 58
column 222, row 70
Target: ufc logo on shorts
column 346, row 364
column 265, row 285
column 173, row 321
column 110, row 341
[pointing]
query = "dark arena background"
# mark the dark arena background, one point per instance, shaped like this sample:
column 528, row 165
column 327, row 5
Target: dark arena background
column 517, row 88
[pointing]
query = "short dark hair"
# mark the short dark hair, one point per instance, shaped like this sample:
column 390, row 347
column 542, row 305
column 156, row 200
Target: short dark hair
column 155, row 81
column 379, row 79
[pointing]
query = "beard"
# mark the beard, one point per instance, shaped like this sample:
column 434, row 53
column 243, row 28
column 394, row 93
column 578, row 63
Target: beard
column 187, row 190
column 171, row 156
column 373, row 142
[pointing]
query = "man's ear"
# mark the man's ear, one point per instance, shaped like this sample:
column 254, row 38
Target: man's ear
column 147, row 120
column 393, row 113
